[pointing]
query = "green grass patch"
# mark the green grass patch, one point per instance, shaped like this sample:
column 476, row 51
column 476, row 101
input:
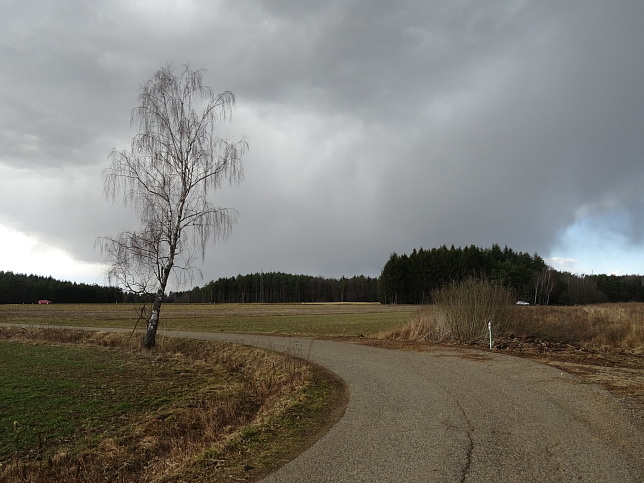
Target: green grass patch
column 41, row 400
column 52, row 395
column 93, row 406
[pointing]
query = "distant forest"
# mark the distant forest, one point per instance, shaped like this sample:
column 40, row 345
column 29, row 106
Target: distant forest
column 276, row 287
column 405, row 279
column 410, row 279
column 28, row 289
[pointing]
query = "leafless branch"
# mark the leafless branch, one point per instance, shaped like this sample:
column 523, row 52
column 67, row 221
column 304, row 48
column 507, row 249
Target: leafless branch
column 168, row 175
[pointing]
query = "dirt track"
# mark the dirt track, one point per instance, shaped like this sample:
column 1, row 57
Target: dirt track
column 461, row 415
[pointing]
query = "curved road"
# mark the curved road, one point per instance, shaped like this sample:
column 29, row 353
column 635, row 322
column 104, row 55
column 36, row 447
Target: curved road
column 460, row 416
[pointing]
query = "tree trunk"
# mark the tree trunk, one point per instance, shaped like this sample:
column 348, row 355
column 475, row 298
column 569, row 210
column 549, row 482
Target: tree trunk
column 150, row 336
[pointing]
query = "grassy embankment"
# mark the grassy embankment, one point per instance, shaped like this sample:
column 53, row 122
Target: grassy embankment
column 92, row 406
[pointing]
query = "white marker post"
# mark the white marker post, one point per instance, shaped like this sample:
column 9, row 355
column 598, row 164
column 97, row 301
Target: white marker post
column 489, row 330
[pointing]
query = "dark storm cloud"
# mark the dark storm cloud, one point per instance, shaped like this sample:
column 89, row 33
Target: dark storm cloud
column 374, row 126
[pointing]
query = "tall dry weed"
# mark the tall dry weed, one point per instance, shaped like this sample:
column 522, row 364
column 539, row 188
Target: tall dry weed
column 427, row 323
column 600, row 326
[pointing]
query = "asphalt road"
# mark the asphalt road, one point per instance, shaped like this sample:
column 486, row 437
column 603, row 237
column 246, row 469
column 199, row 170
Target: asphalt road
column 457, row 416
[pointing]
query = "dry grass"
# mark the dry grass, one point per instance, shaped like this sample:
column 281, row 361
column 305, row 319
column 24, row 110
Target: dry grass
column 424, row 325
column 604, row 326
column 601, row 326
column 222, row 432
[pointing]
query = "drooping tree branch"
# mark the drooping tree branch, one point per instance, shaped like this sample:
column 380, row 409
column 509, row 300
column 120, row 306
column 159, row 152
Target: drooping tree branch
column 174, row 165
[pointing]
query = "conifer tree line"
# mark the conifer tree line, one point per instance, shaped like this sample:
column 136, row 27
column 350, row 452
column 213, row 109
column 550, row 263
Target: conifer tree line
column 16, row 288
column 405, row 279
column 410, row 279
column 277, row 287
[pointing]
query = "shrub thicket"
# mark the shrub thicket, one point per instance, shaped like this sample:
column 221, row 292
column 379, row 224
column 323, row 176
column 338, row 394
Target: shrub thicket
column 461, row 312
column 468, row 306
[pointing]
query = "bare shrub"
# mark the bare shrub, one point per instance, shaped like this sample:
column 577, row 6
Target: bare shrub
column 460, row 313
column 468, row 306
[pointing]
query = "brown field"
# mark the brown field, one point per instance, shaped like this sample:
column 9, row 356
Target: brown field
column 342, row 319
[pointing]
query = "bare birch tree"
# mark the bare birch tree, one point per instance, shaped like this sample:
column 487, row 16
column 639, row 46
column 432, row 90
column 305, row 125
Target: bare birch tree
column 174, row 164
column 544, row 284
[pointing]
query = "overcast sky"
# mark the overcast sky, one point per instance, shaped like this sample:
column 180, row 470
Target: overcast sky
column 374, row 126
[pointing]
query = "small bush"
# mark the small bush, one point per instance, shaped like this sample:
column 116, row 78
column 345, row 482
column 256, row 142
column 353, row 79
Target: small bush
column 460, row 313
column 467, row 307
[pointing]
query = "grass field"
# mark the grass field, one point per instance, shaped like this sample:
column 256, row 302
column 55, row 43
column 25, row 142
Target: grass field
column 300, row 319
column 93, row 406
column 48, row 399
